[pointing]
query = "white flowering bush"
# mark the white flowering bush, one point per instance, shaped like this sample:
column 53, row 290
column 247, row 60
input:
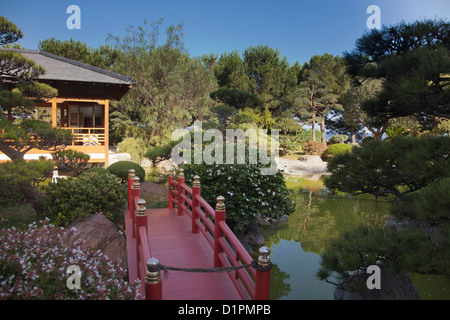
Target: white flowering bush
column 34, row 264
column 247, row 192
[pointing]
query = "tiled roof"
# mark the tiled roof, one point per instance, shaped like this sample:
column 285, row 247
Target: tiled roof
column 59, row 68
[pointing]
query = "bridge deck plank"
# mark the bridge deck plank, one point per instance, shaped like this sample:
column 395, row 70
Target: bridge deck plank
column 173, row 244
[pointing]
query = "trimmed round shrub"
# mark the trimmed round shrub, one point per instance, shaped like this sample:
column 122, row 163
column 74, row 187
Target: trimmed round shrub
column 120, row 170
column 87, row 194
column 97, row 170
column 338, row 148
column 338, row 138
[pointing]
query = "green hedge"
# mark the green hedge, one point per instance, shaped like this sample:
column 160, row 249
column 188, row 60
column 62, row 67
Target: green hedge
column 85, row 195
column 338, row 148
column 120, row 170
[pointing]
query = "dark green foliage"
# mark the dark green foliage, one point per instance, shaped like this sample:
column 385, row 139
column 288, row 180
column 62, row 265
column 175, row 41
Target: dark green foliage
column 416, row 170
column 11, row 194
column 16, row 139
column 430, row 204
column 397, row 250
column 68, row 159
column 9, row 33
column 368, row 139
column 26, row 172
column 380, row 167
column 120, row 170
column 411, row 59
column 236, row 98
column 102, row 57
column 90, row 193
column 161, row 153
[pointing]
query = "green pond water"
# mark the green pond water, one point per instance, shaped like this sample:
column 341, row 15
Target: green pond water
column 296, row 245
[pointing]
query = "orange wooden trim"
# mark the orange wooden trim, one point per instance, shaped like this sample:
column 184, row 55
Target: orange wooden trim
column 106, row 125
column 54, row 111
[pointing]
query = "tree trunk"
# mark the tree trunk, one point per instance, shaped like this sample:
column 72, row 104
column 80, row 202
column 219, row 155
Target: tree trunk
column 324, row 137
column 33, row 197
column 353, row 135
column 313, row 128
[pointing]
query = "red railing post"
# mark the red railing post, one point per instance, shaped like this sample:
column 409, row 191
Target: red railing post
column 141, row 221
column 130, row 183
column 171, row 177
column 218, row 233
column 262, row 277
column 180, row 191
column 153, row 283
column 195, row 192
column 135, row 192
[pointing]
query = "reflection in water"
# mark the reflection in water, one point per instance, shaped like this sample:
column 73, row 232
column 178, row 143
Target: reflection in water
column 297, row 244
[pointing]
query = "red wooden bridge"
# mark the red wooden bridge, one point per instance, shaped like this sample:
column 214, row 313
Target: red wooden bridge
column 191, row 241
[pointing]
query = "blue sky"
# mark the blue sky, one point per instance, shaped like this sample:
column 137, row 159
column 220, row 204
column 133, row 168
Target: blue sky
column 299, row 29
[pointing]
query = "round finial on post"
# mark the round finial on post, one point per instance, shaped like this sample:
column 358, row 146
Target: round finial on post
column 220, row 206
column 171, row 172
column 153, row 271
column 181, row 173
column 141, row 210
column 131, row 173
column 136, row 183
column 264, row 259
column 196, row 182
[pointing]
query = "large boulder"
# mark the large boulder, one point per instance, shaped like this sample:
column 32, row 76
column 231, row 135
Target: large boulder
column 99, row 233
column 116, row 157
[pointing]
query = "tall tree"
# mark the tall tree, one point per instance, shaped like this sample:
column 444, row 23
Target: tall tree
column 171, row 90
column 413, row 62
column 20, row 136
column 102, row 57
column 353, row 115
column 261, row 79
column 269, row 77
column 326, row 78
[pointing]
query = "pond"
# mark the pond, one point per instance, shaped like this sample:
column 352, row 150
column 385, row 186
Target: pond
column 296, row 245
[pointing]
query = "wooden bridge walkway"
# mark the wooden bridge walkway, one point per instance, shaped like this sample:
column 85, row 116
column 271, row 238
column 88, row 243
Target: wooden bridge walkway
column 193, row 235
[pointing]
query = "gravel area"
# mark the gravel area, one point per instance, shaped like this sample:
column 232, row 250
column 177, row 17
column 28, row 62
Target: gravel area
column 306, row 166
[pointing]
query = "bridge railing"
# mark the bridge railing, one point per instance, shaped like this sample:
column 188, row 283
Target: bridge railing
column 252, row 282
column 250, row 277
column 147, row 268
